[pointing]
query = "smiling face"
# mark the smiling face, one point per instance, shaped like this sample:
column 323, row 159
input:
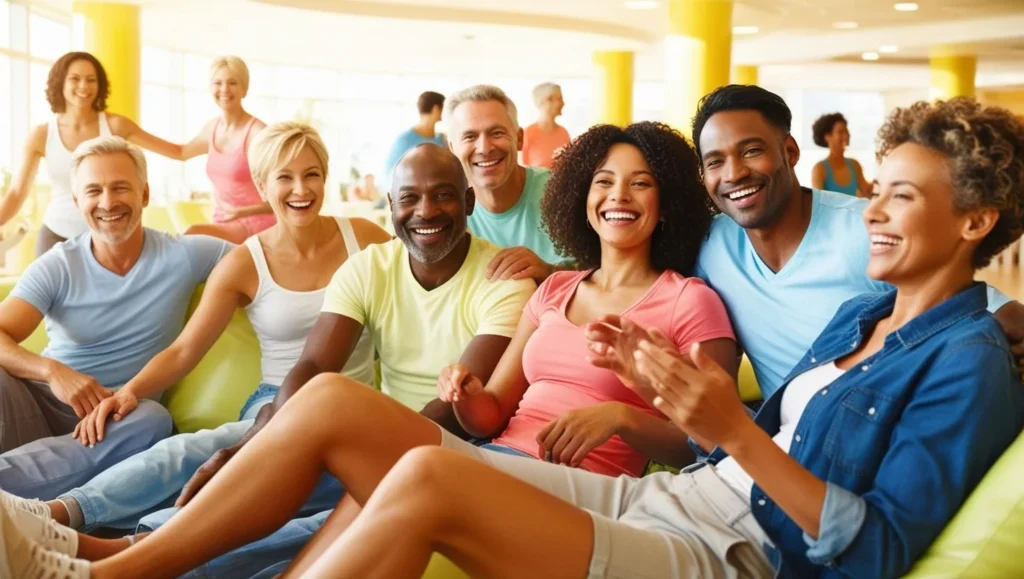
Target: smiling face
column 839, row 138
column 623, row 202
column 110, row 196
column 295, row 189
column 226, row 88
column 553, row 105
column 430, row 202
column 485, row 140
column 81, row 84
column 914, row 226
column 748, row 167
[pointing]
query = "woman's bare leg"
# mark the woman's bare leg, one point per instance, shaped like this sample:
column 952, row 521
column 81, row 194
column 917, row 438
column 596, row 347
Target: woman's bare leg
column 336, row 524
column 234, row 232
column 487, row 522
column 333, row 424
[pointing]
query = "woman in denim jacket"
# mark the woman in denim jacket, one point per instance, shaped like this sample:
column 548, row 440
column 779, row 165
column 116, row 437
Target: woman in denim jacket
column 851, row 468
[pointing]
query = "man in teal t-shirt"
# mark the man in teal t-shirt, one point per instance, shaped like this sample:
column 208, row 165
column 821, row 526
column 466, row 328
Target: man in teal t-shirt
column 486, row 137
column 430, row 105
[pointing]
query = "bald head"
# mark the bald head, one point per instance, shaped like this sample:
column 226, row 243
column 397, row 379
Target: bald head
column 430, row 201
column 429, row 154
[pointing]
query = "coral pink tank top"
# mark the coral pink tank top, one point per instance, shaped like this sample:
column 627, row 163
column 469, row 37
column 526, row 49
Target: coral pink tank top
column 232, row 181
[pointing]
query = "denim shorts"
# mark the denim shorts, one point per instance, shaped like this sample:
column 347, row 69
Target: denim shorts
column 264, row 394
column 505, row 450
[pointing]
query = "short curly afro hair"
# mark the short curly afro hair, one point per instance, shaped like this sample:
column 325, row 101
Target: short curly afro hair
column 985, row 147
column 684, row 205
column 824, row 126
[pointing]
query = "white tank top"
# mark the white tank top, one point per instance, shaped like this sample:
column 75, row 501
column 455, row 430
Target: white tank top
column 62, row 217
column 283, row 318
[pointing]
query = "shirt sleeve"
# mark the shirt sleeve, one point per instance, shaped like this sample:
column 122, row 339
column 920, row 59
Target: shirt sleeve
column 43, row 283
column 996, row 299
column 961, row 417
column 502, row 306
column 348, row 290
column 204, row 253
column 535, row 307
column 699, row 316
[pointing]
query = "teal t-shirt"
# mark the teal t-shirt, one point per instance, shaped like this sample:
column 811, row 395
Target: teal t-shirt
column 405, row 141
column 108, row 326
column 520, row 225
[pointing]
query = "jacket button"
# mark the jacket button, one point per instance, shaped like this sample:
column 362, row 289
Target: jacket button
column 871, row 411
column 797, row 438
column 761, row 502
column 813, row 360
column 865, row 367
column 824, row 391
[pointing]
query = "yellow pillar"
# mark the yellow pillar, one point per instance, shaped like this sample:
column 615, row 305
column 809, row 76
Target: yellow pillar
column 613, row 87
column 744, row 74
column 110, row 32
column 698, row 51
column 952, row 75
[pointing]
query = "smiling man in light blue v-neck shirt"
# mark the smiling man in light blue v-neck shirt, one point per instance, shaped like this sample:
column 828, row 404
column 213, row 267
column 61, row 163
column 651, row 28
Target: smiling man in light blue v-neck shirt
column 782, row 257
column 111, row 298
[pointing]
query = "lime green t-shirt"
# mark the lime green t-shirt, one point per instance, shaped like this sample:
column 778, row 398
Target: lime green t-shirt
column 418, row 332
column 521, row 225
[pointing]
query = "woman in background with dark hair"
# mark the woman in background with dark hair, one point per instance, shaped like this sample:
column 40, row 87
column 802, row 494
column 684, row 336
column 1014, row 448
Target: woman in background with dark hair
column 77, row 89
column 830, row 131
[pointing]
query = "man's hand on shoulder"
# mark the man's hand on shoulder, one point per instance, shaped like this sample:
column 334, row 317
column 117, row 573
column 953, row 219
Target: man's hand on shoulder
column 518, row 263
column 1011, row 318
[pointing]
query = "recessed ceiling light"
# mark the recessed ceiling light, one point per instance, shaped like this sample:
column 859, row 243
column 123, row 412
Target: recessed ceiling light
column 888, row 49
column 844, row 25
column 641, row 4
column 870, row 56
column 745, row 30
column 905, row 6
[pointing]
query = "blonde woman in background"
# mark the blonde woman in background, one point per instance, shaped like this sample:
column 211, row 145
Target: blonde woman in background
column 543, row 140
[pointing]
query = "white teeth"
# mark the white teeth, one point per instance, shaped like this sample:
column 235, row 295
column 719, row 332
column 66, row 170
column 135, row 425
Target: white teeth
column 885, row 239
column 110, row 218
column 299, row 204
column 428, row 231
column 742, row 193
column 619, row 216
column 488, row 163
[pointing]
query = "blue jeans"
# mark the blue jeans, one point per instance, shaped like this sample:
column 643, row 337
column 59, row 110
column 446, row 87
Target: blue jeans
column 50, row 466
column 151, row 480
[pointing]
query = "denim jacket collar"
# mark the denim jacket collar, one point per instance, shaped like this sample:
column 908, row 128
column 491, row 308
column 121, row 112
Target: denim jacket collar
column 966, row 303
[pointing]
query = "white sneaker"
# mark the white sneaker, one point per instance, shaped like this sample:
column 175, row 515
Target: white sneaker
column 23, row 558
column 15, row 503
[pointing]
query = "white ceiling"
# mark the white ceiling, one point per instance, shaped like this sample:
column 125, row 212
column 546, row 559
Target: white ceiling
column 488, row 38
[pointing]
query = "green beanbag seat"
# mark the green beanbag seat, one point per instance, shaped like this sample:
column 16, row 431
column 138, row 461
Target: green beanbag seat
column 215, row 391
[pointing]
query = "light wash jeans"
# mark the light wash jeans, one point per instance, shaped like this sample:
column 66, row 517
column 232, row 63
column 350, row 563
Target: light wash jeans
column 121, row 495
column 49, row 466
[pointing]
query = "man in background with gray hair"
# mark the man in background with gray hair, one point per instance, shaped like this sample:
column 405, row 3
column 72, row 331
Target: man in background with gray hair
column 484, row 134
column 112, row 298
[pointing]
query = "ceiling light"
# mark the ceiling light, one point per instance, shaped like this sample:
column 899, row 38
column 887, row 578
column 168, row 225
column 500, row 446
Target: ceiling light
column 740, row 30
column 905, row 6
column 844, row 25
column 888, row 49
column 870, row 56
column 641, row 4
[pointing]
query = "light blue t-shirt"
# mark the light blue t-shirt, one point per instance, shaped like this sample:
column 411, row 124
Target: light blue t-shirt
column 520, row 225
column 107, row 326
column 402, row 144
column 778, row 315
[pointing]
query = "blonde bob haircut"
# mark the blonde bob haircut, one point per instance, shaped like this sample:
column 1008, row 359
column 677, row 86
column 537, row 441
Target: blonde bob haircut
column 279, row 144
column 235, row 66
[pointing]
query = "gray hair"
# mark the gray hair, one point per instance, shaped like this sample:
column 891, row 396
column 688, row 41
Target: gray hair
column 108, row 146
column 542, row 92
column 480, row 93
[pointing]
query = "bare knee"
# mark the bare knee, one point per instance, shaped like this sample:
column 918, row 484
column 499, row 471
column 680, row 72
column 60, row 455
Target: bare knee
column 425, row 481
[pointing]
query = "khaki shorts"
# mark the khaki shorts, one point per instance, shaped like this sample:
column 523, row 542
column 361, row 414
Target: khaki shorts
column 659, row 526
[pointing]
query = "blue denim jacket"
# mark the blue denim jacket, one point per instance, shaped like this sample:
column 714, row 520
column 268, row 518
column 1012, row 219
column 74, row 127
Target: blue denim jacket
column 900, row 440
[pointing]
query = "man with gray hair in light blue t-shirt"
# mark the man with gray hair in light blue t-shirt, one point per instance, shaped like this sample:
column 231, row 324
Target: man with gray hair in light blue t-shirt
column 111, row 298
column 484, row 134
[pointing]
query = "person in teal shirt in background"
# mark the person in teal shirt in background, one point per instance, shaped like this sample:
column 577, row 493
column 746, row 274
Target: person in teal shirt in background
column 486, row 137
column 430, row 105
column 830, row 131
